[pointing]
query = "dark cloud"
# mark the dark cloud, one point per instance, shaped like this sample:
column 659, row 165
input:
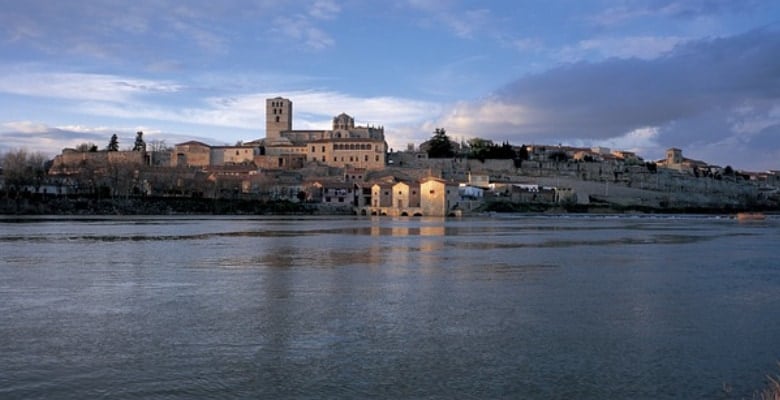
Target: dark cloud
column 610, row 98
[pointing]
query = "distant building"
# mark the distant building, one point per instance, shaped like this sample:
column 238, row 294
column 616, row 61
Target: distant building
column 438, row 197
column 199, row 154
column 675, row 160
column 346, row 145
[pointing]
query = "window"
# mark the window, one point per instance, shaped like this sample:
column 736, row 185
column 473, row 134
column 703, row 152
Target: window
column 237, row 152
column 313, row 149
column 432, row 192
column 323, row 149
column 323, row 158
column 277, row 118
column 366, row 160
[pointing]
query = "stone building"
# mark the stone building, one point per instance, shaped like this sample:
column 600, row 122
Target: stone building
column 438, row 197
column 72, row 161
column 346, row 145
column 191, row 154
column 198, row 154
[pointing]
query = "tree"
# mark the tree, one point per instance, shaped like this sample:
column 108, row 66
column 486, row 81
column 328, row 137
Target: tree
column 523, row 153
column 87, row 147
column 113, row 145
column 558, row 156
column 480, row 148
column 139, row 145
column 440, row 146
column 651, row 167
column 21, row 168
column 158, row 145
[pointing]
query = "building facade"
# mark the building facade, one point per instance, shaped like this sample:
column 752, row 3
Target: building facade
column 346, row 145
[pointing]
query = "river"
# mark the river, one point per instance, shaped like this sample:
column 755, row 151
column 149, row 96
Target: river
column 538, row 307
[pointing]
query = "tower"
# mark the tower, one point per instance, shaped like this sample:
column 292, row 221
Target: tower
column 278, row 117
column 344, row 122
column 674, row 156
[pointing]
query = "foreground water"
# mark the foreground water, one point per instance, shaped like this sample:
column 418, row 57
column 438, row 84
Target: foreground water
column 504, row 307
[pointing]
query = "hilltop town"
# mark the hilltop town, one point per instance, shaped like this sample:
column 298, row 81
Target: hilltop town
column 349, row 169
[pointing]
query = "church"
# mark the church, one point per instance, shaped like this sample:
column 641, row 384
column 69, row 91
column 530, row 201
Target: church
column 344, row 146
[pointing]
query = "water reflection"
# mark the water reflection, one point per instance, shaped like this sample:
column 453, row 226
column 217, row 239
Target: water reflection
column 396, row 308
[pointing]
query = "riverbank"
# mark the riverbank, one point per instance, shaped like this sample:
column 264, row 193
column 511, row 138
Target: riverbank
column 42, row 204
column 39, row 204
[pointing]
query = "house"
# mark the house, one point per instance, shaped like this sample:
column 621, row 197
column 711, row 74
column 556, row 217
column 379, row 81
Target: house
column 382, row 194
column 191, row 154
column 406, row 195
column 438, row 197
column 471, row 192
column 525, row 193
column 340, row 193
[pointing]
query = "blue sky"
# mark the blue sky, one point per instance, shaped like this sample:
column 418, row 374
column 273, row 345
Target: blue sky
column 641, row 75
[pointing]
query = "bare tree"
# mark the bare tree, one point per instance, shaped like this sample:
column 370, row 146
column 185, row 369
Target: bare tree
column 22, row 168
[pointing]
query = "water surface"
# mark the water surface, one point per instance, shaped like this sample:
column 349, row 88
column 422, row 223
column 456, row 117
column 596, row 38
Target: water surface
column 582, row 307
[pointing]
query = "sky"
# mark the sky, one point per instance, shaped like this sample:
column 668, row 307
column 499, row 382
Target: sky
column 636, row 75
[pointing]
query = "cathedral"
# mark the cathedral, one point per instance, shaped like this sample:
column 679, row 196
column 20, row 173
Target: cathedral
column 345, row 145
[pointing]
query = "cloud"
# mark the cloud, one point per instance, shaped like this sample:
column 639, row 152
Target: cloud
column 324, row 9
column 80, row 86
column 464, row 23
column 301, row 28
column 129, row 32
column 682, row 9
column 696, row 94
column 643, row 47
column 51, row 140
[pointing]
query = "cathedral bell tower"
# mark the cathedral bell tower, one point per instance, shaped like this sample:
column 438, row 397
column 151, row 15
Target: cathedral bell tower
column 278, row 117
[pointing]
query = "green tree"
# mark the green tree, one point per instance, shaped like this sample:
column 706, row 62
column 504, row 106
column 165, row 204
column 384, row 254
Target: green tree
column 479, row 148
column 113, row 144
column 139, row 145
column 440, row 146
column 558, row 156
column 523, row 153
